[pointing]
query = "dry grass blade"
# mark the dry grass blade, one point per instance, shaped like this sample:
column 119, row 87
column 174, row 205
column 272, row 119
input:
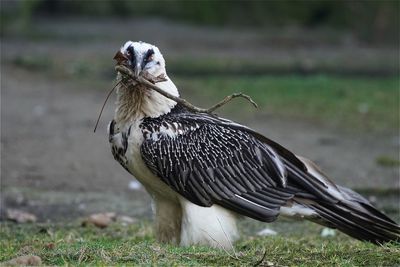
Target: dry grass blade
column 149, row 81
column 219, row 244
column 227, row 238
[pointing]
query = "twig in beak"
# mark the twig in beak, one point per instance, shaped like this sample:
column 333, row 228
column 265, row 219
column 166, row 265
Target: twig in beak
column 149, row 80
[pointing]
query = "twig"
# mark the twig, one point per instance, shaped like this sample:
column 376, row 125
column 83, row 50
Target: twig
column 229, row 98
column 261, row 260
column 147, row 82
column 105, row 101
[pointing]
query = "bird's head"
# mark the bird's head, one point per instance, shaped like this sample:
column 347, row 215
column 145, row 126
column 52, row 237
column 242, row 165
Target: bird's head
column 136, row 100
column 140, row 56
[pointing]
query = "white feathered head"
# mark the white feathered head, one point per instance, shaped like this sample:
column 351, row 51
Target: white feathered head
column 140, row 56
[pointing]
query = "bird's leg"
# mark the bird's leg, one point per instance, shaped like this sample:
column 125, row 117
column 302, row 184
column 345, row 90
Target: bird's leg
column 210, row 226
column 168, row 217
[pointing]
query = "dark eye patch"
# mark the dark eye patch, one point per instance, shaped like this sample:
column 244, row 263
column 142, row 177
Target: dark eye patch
column 147, row 57
column 131, row 55
column 149, row 53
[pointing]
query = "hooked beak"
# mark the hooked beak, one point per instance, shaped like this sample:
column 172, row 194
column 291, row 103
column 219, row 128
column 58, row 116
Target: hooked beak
column 137, row 70
column 123, row 60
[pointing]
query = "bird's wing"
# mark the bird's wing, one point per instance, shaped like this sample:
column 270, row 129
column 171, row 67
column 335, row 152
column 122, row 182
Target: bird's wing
column 214, row 161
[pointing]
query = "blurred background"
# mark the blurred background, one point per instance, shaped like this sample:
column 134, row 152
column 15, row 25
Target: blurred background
column 324, row 73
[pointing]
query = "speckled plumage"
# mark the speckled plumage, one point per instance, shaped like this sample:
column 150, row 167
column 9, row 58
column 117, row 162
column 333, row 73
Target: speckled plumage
column 209, row 160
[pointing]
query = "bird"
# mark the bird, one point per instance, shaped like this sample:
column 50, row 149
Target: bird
column 204, row 172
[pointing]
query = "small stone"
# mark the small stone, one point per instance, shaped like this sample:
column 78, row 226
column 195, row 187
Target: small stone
column 326, row 232
column 26, row 260
column 19, row 216
column 100, row 220
column 134, row 185
column 125, row 220
column 266, row 232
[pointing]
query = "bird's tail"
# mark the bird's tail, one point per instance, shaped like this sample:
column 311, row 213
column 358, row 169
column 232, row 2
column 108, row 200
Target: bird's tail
column 355, row 216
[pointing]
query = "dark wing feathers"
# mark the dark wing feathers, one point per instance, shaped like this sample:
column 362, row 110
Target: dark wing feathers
column 211, row 161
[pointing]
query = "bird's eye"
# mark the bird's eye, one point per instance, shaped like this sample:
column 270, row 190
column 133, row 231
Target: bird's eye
column 131, row 54
column 149, row 55
column 129, row 50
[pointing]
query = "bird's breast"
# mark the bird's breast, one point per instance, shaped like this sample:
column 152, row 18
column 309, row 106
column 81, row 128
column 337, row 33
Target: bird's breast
column 127, row 144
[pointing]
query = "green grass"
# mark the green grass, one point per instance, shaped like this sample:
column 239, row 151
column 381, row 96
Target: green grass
column 386, row 161
column 354, row 103
column 135, row 245
column 201, row 66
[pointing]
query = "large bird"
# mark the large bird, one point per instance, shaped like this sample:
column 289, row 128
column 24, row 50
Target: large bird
column 203, row 172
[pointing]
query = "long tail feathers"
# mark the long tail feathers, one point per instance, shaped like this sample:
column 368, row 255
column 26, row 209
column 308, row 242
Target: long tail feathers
column 355, row 216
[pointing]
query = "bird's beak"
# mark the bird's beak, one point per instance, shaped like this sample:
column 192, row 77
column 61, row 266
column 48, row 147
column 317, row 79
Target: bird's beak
column 138, row 69
column 121, row 58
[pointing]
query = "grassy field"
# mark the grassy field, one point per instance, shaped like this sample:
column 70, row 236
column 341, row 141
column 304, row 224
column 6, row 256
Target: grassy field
column 72, row 244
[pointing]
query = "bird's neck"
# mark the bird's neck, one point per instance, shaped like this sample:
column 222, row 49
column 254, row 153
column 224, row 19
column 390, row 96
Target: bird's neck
column 137, row 103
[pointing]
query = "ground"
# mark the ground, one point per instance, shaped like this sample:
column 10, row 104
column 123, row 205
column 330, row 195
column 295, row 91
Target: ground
column 55, row 79
column 135, row 245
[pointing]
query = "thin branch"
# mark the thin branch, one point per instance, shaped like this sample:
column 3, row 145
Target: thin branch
column 149, row 81
column 105, row 101
column 261, row 260
column 228, row 99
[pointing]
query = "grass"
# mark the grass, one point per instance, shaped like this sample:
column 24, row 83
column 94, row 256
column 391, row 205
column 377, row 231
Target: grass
column 354, row 103
column 386, row 161
column 72, row 244
column 203, row 66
